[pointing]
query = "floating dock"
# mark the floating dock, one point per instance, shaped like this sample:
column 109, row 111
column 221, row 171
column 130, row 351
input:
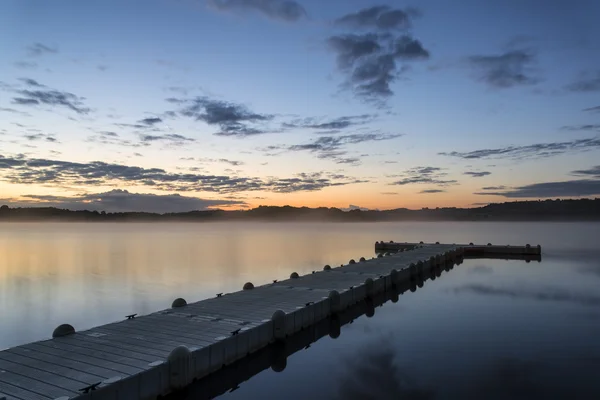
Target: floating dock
column 471, row 250
column 143, row 357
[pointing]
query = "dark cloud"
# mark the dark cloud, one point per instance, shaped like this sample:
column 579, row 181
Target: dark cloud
column 40, row 137
column 528, row 151
column 38, row 49
column 493, row 188
column 588, row 127
column 135, row 126
column 150, row 121
column 350, row 48
column 509, row 69
column 49, row 97
column 389, row 193
column 593, row 109
column 431, row 191
column 592, row 172
column 587, row 82
column 24, row 102
column 174, row 139
column 408, row 48
column 233, row 119
column 124, row 201
column 332, row 144
column 331, row 125
column 554, row 295
column 23, row 170
column 475, row 174
column 370, row 62
column 378, row 17
column 102, row 67
column 574, row 188
column 31, row 82
column 420, row 175
column 286, row 10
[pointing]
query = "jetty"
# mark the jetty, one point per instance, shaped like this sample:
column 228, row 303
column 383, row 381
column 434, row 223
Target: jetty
column 160, row 354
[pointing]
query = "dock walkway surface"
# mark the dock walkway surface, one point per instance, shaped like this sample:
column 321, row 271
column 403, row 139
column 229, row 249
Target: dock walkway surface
column 144, row 357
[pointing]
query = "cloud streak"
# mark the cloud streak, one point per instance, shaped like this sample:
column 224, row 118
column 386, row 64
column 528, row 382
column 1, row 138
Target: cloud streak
column 383, row 18
column 423, row 175
column 328, row 126
column 23, row 170
column 41, row 95
column 475, row 174
column 533, row 150
column 573, row 188
column 283, row 10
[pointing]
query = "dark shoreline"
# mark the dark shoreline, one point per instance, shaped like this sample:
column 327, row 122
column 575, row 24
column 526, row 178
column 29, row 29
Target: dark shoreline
column 583, row 210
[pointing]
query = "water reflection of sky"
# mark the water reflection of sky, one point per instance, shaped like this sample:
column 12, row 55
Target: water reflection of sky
column 487, row 329
column 490, row 329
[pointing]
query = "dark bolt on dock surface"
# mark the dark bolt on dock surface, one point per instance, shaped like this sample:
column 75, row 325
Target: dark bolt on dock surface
column 143, row 357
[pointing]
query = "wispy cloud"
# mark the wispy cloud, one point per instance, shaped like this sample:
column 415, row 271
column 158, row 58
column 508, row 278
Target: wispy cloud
column 384, row 18
column 13, row 111
column 284, row 10
column 593, row 109
column 506, row 70
column 25, row 64
column 24, row 170
column 476, row 174
column 39, row 49
column 493, row 188
column 171, row 138
column 423, row 175
column 333, row 147
column 233, row 119
column 592, row 172
column 573, row 188
column 50, row 97
column 586, row 82
column 532, row 150
column 233, row 163
column 431, row 191
column 586, row 127
column 31, row 82
column 150, row 121
column 33, row 137
column 328, row 126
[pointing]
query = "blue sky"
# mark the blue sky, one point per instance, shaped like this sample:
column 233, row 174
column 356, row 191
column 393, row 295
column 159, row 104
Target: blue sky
column 170, row 105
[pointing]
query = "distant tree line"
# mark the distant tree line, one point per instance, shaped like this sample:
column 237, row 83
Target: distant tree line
column 546, row 210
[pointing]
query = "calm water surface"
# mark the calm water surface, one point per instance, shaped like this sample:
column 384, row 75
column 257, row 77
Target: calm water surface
column 487, row 329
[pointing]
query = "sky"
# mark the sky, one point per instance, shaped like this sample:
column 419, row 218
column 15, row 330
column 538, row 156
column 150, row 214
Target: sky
column 177, row 105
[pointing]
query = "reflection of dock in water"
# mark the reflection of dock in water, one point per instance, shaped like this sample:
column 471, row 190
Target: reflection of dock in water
column 275, row 355
column 163, row 352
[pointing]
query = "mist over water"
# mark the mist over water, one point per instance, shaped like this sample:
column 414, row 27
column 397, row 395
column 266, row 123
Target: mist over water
column 487, row 329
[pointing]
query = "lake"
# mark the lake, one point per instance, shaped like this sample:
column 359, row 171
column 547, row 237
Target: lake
column 486, row 329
